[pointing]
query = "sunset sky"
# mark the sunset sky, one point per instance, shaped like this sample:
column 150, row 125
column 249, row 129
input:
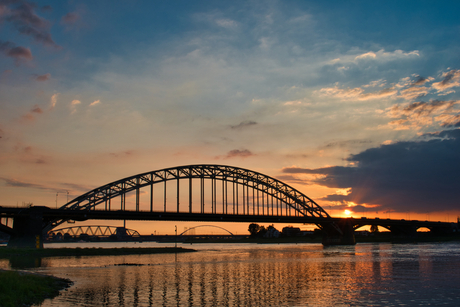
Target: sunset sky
column 354, row 103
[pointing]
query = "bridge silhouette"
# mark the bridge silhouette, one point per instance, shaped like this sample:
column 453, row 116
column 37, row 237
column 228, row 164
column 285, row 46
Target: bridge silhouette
column 115, row 233
column 205, row 193
column 90, row 231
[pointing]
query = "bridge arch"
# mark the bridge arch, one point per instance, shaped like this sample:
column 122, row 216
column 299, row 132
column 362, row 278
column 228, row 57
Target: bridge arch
column 236, row 185
column 199, row 226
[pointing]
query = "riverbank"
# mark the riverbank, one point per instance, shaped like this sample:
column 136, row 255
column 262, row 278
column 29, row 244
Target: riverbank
column 7, row 253
column 374, row 238
column 19, row 288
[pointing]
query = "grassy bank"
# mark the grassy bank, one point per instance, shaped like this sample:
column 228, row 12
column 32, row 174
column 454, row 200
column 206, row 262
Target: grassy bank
column 6, row 252
column 25, row 289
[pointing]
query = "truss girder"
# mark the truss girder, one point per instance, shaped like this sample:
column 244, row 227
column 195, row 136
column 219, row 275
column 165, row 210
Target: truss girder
column 299, row 202
column 99, row 231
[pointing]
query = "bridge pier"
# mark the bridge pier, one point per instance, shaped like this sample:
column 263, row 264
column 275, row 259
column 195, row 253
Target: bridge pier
column 403, row 231
column 27, row 229
column 341, row 233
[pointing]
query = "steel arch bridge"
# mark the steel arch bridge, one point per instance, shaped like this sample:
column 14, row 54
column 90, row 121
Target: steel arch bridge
column 204, row 193
column 240, row 192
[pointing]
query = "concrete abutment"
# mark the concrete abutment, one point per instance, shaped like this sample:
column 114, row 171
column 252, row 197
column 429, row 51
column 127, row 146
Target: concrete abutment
column 28, row 229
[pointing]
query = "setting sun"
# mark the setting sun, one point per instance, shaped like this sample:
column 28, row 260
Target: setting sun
column 347, row 212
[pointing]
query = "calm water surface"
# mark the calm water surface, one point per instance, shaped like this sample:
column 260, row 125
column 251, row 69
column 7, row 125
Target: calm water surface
column 263, row 275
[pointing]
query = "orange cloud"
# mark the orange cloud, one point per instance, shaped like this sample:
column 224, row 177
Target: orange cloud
column 356, row 93
column 54, row 100
column 412, row 93
column 419, row 114
column 451, row 79
column 95, row 103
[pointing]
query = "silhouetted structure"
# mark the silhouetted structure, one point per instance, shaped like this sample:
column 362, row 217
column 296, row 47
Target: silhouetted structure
column 216, row 193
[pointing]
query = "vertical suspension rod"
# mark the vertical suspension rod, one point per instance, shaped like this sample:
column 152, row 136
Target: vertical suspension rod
column 273, row 212
column 212, row 195
column 202, row 194
column 244, row 200
column 190, row 191
column 237, row 197
column 233, row 191
column 223, row 196
column 268, row 203
column 151, row 193
column 226, row 196
column 165, row 195
column 247, row 198
column 263, row 203
column 178, row 198
column 137, row 194
column 258, row 208
column 253, row 201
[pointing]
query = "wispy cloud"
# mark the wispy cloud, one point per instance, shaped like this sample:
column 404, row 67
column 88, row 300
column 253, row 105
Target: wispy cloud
column 216, row 18
column 412, row 93
column 95, row 103
column 420, row 114
column 53, row 101
column 244, row 124
column 407, row 88
column 11, row 182
column 57, row 187
column 70, row 18
column 237, row 153
column 451, row 79
column 356, row 93
column 124, row 154
column 23, row 18
column 19, row 54
column 380, row 56
column 74, row 104
column 36, row 109
column 42, row 78
column 383, row 55
column 30, row 116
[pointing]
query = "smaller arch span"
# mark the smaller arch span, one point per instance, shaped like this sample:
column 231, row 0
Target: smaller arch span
column 99, row 231
column 206, row 226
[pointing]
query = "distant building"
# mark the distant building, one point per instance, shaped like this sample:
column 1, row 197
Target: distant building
column 290, row 231
column 272, row 233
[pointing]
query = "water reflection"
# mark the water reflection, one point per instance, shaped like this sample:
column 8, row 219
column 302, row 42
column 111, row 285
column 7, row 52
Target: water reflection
column 373, row 274
column 24, row 262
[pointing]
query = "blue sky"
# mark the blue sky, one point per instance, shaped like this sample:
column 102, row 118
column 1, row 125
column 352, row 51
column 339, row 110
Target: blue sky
column 94, row 91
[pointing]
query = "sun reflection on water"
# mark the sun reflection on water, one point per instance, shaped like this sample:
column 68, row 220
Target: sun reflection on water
column 264, row 275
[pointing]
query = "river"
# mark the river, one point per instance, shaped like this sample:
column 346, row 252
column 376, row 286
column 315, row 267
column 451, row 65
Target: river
column 263, row 275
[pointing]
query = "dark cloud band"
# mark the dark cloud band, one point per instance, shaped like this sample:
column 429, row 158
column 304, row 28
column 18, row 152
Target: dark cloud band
column 406, row 176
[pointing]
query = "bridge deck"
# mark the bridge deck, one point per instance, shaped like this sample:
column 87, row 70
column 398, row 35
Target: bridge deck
column 81, row 215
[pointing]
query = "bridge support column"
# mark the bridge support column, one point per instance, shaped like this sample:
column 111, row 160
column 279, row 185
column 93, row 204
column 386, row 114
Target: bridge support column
column 403, row 232
column 27, row 230
column 332, row 235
